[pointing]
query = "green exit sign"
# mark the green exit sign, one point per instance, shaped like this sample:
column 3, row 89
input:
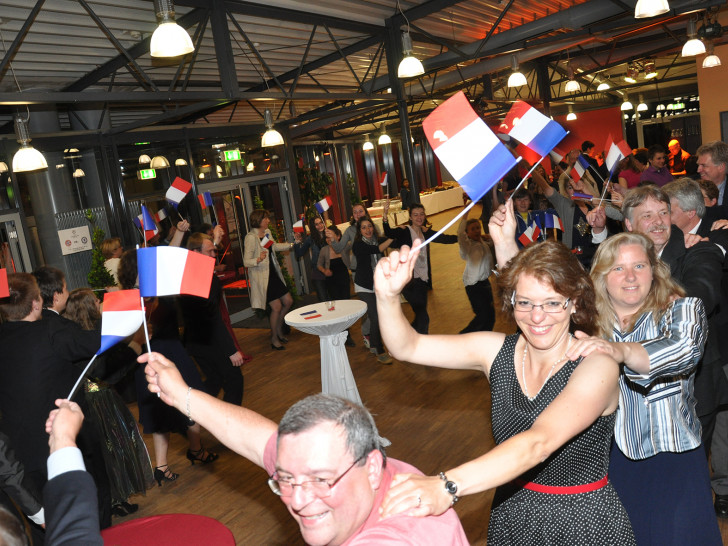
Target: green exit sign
column 146, row 174
column 232, row 155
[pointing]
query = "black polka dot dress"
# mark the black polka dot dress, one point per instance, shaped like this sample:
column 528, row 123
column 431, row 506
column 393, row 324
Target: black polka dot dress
column 521, row 517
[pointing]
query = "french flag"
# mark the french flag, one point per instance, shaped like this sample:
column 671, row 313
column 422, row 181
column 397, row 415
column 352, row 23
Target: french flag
column 531, row 128
column 324, row 204
column 266, row 242
column 530, row 235
column 4, row 287
column 552, row 220
column 615, row 153
column 161, row 215
column 178, row 190
column 171, row 270
column 556, row 155
column 205, row 200
column 583, row 196
column 462, row 141
column 579, row 168
column 146, row 223
column 383, row 180
column 298, row 227
column 122, row 317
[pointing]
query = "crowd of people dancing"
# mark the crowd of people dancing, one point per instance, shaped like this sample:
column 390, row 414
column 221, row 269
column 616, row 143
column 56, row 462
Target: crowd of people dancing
column 609, row 404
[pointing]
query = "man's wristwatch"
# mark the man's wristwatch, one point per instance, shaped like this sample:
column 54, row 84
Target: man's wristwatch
column 451, row 487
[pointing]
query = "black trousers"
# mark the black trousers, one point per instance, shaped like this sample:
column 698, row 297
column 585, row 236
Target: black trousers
column 219, row 373
column 480, row 295
column 416, row 294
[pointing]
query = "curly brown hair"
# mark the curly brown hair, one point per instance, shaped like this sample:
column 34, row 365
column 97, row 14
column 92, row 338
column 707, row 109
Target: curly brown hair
column 554, row 264
column 81, row 308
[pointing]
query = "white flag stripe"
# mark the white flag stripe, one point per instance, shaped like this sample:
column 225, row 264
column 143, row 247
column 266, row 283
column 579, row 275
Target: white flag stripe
column 170, row 269
column 530, row 125
column 613, row 156
column 121, row 323
column 465, row 149
column 173, row 194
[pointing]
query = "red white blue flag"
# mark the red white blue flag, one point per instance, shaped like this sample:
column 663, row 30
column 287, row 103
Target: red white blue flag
column 552, row 220
column 324, row 204
column 467, row 148
column 205, row 200
column 298, row 227
column 615, row 153
column 531, row 128
column 178, row 190
column 266, row 242
column 530, row 235
column 171, row 270
column 122, row 317
column 146, row 223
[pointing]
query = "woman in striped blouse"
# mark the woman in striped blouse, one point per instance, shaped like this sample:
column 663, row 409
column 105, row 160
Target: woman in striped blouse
column 645, row 322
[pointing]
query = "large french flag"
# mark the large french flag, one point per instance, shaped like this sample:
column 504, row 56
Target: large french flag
column 466, row 146
column 324, row 204
column 178, row 190
column 122, row 317
column 531, row 128
column 170, row 270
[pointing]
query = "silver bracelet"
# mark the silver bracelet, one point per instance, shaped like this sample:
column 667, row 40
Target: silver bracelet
column 189, row 390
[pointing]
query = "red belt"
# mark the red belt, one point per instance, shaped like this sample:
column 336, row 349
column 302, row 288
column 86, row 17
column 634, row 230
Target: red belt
column 563, row 490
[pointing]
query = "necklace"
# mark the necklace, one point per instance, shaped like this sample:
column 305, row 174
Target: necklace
column 553, row 367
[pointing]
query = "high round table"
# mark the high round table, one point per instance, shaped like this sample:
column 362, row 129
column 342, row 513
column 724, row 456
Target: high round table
column 169, row 530
column 330, row 326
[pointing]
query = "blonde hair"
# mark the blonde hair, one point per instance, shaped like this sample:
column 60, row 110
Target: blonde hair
column 109, row 246
column 662, row 292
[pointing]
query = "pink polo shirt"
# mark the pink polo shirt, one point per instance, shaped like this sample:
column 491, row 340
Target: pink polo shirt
column 442, row 530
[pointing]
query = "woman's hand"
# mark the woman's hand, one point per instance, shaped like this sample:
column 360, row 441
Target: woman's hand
column 297, row 237
column 502, row 224
column 385, row 209
column 586, row 345
column 416, row 496
column 328, row 272
column 395, row 271
column 263, row 255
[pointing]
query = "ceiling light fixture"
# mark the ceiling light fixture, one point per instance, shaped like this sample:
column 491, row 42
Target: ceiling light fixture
column 571, row 116
column 604, row 86
column 251, row 167
column 642, row 106
column 180, row 162
column 78, row 173
column 650, row 69
column 632, row 73
column 650, row 8
column 572, row 86
column 384, row 138
column 27, row 158
column 3, row 167
column 693, row 46
column 626, row 105
column 271, row 136
column 516, row 79
column 144, row 159
column 712, row 60
column 159, row 162
column 410, row 66
column 170, row 39
column 368, row 146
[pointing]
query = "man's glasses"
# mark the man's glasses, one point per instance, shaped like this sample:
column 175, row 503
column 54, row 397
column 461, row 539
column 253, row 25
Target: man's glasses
column 318, row 486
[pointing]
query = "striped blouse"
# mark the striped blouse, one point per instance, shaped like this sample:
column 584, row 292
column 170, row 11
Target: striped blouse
column 657, row 411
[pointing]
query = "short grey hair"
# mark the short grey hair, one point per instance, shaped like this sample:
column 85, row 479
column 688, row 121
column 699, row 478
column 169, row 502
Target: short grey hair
column 687, row 193
column 717, row 149
column 636, row 196
column 362, row 436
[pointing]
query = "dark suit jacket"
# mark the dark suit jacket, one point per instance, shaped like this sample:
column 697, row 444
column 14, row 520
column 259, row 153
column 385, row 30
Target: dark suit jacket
column 698, row 270
column 70, row 510
column 718, row 212
column 204, row 325
column 36, row 368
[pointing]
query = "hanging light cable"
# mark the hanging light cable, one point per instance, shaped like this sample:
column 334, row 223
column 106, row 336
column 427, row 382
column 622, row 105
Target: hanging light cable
column 169, row 39
column 410, row 66
column 27, row 158
column 694, row 46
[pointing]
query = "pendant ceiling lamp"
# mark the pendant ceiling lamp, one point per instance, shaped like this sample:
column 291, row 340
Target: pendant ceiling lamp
column 712, row 60
column 650, row 8
column 693, row 46
column 170, row 39
column 516, row 79
column 27, row 158
column 271, row 137
column 384, row 138
column 159, row 162
column 368, row 146
column 410, row 66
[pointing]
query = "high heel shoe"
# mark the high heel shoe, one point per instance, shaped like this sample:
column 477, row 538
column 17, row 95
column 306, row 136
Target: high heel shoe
column 283, row 339
column 201, row 456
column 277, row 347
column 164, row 475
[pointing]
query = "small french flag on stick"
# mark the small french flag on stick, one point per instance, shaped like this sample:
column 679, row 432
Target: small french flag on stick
column 578, row 170
column 583, row 196
column 530, row 235
column 266, row 242
column 122, row 317
column 552, row 220
column 466, row 146
column 615, row 153
column 298, row 227
column 178, row 190
column 171, row 270
column 324, row 204
column 146, row 223
column 161, row 215
column 532, row 129
column 383, row 179
column 205, row 200
column 4, row 288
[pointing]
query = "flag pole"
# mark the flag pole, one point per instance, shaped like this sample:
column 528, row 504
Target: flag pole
column 144, row 315
column 451, row 222
column 525, row 177
column 83, row 374
column 606, row 184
